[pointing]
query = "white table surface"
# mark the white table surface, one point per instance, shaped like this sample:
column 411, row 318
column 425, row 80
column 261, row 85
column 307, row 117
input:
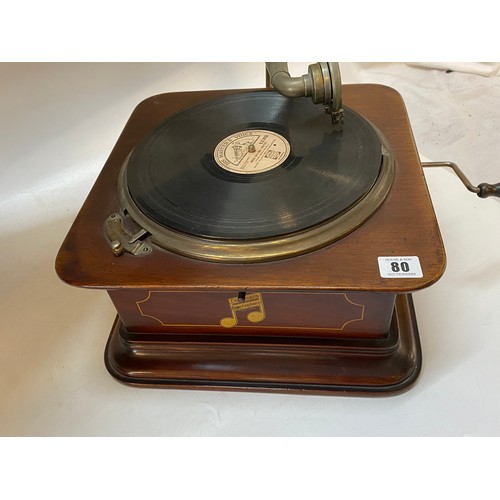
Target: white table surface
column 59, row 123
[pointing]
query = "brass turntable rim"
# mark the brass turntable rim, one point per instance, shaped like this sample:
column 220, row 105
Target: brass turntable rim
column 273, row 248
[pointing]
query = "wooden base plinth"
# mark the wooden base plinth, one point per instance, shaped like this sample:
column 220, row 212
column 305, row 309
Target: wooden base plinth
column 346, row 366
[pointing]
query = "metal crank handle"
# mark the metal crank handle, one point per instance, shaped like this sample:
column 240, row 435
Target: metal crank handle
column 484, row 190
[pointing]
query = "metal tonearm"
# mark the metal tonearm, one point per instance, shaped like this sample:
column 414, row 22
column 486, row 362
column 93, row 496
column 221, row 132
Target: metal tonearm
column 322, row 83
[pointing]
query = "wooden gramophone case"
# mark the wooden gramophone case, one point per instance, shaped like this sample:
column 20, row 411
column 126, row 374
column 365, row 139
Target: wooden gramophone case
column 338, row 319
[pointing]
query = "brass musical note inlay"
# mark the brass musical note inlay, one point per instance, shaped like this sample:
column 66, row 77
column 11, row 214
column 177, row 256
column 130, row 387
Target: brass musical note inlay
column 250, row 301
column 290, row 310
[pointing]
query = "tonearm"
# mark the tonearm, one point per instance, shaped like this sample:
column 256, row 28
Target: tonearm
column 322, row 84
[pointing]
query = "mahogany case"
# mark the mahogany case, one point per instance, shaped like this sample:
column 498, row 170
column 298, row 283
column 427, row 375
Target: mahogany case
column 323, row 322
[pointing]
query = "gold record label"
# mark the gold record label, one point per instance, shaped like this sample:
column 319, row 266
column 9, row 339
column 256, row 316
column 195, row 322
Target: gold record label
column 252, row 151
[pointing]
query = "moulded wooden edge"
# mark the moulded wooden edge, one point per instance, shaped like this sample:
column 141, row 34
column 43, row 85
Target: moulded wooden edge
column 355, row 369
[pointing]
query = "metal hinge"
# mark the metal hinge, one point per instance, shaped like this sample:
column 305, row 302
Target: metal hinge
column 122, row 240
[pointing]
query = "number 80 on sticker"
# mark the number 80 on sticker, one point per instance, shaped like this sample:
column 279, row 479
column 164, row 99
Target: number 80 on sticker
column 400, row 267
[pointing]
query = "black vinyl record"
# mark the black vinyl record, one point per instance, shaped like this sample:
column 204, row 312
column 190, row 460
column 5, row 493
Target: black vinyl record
column 194, row 174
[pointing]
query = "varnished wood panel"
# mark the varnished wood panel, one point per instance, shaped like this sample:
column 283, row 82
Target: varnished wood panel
column 304, row 366
column 405, row 225
column 306, row 313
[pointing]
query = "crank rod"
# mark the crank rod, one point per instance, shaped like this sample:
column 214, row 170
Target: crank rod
column 483, row 190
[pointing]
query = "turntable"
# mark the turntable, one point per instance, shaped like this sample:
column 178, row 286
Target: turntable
column 252, row 240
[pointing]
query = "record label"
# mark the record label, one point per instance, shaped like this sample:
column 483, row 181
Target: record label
column 252, row 151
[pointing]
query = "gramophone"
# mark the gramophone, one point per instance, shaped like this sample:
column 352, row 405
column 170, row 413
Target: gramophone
column 260, row 240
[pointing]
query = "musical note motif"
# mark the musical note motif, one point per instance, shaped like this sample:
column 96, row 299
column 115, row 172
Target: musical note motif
column 251, row 301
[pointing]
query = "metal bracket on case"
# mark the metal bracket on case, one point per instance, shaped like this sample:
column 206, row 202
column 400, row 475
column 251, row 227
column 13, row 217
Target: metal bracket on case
column 122, row 240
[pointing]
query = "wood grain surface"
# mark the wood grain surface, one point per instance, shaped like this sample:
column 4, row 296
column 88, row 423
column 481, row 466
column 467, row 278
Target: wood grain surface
column 404, row 226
